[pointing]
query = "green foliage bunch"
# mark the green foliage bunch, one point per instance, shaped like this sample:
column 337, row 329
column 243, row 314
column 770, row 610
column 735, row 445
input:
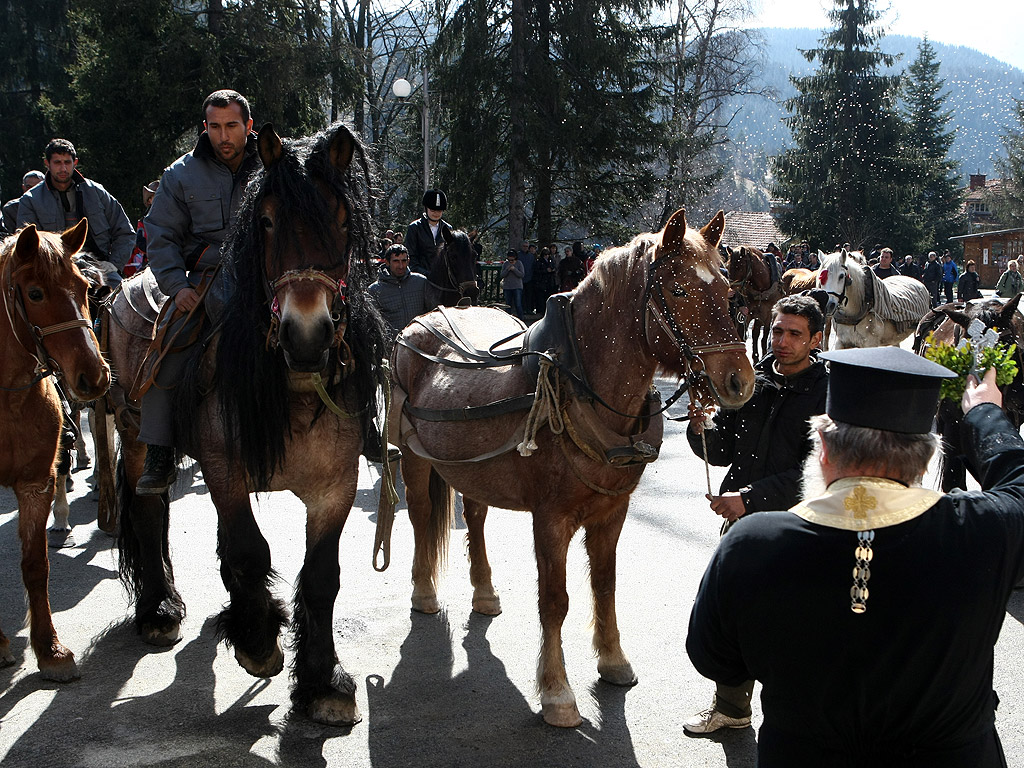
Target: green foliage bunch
column 961, row 359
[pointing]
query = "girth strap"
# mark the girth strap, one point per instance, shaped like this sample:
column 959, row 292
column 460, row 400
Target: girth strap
column 471, row 412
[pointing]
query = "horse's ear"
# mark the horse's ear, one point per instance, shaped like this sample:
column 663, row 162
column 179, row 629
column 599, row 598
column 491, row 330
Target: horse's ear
column 712, row 231
column 473, row 234
column 1007, row 312
column 960, row 318
column 447, row 235
column 27, row 245
column 675, row 230
column 341, row 148
column 74, row 238
column 269, row 145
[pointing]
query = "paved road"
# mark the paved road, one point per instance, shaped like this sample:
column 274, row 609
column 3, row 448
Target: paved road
column 449, row 690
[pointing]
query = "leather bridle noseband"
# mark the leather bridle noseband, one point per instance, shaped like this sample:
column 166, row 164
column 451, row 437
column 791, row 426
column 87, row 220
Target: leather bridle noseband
column 45, row 364
column 335, row 286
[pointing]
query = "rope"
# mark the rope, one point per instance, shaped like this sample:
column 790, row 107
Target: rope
column 388, row 492
column 546, row 408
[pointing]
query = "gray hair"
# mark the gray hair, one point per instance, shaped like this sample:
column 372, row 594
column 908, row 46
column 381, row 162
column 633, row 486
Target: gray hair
column 895, row 455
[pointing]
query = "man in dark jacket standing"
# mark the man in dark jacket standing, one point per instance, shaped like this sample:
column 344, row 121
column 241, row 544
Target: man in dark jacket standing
column 931, row 276
column 10, row 214
column 400, row 293
column 423, row 236
column 863, row 657
column 193, row 210
column 764, row 443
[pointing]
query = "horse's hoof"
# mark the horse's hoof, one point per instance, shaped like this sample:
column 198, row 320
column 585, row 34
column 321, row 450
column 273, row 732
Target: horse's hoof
column 83, row 463
column 70, row 484
column 6, row 657
column 561, row 712
column 164, row 635
column 268, row 667
column 488, row 606
column 335, row 708
column 619, row 674
column 60, row 538
column 60, row 669
column 425, row 604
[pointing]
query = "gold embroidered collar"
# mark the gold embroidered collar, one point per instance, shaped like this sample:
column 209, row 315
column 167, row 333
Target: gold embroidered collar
column 864, row 503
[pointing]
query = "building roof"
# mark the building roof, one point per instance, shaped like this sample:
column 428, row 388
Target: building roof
column 987, row 233
column 756, row 228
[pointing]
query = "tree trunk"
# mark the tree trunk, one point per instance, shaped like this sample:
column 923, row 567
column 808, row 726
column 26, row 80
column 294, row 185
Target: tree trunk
column 520, row 151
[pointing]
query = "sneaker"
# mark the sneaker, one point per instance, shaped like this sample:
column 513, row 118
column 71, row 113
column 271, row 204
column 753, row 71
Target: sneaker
column 710, row 720
column 159, row 471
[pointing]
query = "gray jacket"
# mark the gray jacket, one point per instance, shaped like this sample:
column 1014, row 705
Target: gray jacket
column 400, row 298
column 110, row 230
column 193, row 210
column 512, row 275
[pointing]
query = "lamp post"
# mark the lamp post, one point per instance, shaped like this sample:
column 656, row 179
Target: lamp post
column 402, row 88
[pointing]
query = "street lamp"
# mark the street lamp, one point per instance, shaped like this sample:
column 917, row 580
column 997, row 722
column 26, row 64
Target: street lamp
column 402, row 88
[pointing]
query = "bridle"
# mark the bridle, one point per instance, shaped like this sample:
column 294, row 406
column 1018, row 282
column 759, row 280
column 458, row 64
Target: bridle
column 459, row 287
column 656, row 306
column 841, row 298
column 45, row 364
column 339, row 304
column 739, row 285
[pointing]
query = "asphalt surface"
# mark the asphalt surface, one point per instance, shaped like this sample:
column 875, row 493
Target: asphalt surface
column 455, row 689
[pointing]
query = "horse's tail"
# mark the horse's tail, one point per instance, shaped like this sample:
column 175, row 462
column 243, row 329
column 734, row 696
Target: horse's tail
column 442, row 514
column 128, row 551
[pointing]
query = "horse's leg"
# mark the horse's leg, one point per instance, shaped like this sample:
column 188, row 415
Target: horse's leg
column 323, row 689
column 551, row 535
column 431, row 511
column 6, row 657
column 55, row 661
column 59, row 535
column 82, row 460
column 145, row 561
column 103, row 437
column 485, row 599
column 252, row 621
column 601, row 540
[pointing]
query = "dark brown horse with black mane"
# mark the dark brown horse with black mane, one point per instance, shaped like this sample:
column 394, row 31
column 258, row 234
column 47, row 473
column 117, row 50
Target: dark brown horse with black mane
column 564, row 427
column 752, row 278
column 279, row 399
column 452, row 278
column 949, row 324
column 45, row 337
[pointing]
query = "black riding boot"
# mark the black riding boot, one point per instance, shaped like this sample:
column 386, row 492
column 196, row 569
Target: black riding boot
column 158, row 472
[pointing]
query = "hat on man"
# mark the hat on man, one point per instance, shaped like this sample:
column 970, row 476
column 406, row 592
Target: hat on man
column 152, row 187
column 884, row 388
column 435, row 199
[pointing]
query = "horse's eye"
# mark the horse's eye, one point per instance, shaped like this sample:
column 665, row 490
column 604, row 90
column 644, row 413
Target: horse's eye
column 267, row 222
column 678, row 290
column 35, row 294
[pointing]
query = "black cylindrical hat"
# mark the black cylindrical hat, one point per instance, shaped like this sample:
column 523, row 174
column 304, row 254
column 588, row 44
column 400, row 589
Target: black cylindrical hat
column 435, row 199
column 884, row 388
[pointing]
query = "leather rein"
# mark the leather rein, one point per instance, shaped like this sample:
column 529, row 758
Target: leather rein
column 45, row 364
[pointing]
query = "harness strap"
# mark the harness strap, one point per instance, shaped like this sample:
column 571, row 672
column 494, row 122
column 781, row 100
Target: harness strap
column 472, row 412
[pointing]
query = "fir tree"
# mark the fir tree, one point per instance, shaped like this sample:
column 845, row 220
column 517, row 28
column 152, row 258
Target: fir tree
column 937, row 212
column 1009, row 206
column 846, row 179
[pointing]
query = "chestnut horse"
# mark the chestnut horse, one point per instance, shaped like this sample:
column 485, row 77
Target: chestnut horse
column 949, row 324
column 659, row 302
column 751, row 277
column 278, row 400
column 452, row 278
column 45, row 335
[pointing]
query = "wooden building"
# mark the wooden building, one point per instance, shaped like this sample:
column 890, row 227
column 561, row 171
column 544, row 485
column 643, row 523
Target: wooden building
column 991, row 250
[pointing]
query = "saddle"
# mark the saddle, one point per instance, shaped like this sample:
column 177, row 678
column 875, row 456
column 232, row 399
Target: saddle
column 554, row 337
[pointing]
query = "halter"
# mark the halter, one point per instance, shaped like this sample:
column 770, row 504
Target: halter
column 655, row 304
column 841, row 298
column 45, row 364
column 457, row 287
column 339, row 304
column 739, row 285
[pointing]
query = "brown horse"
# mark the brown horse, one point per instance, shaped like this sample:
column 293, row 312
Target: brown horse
column 452, row 278
column 949, row 324
column 658, row 302
column 751, row 277
column 45, row 334
column 279, row 399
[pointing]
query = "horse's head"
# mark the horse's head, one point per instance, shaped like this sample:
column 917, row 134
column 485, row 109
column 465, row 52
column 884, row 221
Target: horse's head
column 834, row 278
column 747, row 269
column 306, row 228
column 454, row 270
column 46, row 303
column 687, row 323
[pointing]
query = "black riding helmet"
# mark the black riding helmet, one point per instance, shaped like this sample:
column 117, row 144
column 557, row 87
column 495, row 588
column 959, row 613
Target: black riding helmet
column 435, row 199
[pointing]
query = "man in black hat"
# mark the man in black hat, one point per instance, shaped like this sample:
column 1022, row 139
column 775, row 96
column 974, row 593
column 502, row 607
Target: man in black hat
column 424, row 235
column 871, row 625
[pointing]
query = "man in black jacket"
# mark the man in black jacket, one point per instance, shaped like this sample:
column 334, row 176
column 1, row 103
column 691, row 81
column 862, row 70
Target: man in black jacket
column 424, row 235
column 764, row 443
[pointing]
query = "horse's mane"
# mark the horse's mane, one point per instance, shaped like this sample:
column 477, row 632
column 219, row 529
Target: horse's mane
column 50, row 262
column 251, row 380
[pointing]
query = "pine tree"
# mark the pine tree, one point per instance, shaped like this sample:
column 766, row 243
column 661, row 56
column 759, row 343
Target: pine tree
column 937, row 212
column 846, row 178
column 1009, row 206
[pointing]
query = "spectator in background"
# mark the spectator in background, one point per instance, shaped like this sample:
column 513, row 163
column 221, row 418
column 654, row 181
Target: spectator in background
column 572, row 269
column 885, row 268
column 10, row 212
column 137, row 261
column 911, row 268
column 512, row 282
column 1010, row 282
column 400, row 293
column 932, row 276
column 950, row 274
column 969, row 286
column 543, row 278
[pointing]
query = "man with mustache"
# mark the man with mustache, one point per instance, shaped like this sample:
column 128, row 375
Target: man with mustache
column 193, row 209
column 870, row 610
